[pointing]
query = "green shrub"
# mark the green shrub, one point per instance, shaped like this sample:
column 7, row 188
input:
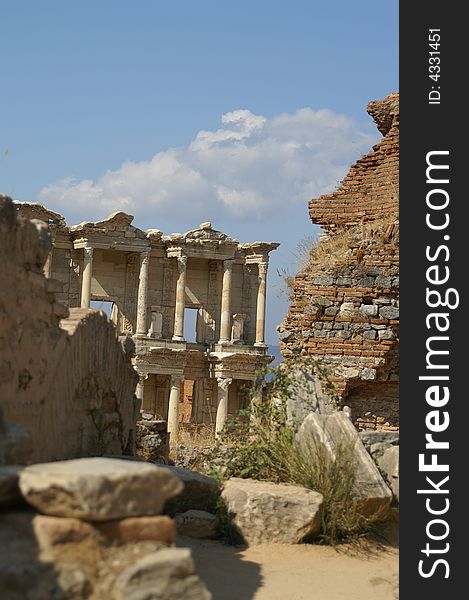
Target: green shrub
column 260, row 443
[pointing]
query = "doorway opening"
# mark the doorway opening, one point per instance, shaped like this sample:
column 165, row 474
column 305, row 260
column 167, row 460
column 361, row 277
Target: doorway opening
column 190, row 324
column 104, row 305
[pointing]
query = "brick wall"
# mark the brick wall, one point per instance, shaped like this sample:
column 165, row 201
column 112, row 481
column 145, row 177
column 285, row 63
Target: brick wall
column 345, row 305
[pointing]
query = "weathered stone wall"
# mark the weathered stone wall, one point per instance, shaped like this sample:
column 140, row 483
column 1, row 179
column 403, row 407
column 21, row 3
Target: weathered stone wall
column 63, row 374
column 345, row 304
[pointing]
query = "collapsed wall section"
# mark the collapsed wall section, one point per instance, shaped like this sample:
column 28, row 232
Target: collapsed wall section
column 63, row 374
column 345, row 303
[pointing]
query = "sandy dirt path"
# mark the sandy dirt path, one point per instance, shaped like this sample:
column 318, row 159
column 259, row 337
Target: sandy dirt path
column 301, row 572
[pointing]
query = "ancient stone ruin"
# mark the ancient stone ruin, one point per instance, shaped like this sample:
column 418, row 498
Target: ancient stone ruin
column 63, row 373
column 90, row 519
column 152, row 282
column 345, row 303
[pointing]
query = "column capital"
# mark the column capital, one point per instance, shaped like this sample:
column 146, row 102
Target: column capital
column 145, row 255
column 182, row 262
column 88, row 251
column 228, row 264
column 224, row 382
column 263, row 266
column 176, row 379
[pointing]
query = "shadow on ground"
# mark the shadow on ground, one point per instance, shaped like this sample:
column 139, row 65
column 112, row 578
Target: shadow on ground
column 239, row 579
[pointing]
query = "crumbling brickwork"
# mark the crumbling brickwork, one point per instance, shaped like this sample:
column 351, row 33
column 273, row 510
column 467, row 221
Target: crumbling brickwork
column 63, row 373
column 345, row 303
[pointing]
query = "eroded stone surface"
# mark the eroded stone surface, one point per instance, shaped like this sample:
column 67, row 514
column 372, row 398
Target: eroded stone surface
column 389, row 464
column 328, row 436
column 63, row 374
column 98, row 489
column 164, row 575
column 265, row 512
column 158, row 528
column 43, row 557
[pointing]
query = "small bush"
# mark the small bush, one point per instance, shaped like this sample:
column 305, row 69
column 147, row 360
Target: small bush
column 261, row 444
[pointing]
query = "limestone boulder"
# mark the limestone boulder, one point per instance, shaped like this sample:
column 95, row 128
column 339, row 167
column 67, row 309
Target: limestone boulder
column 164, row 575
column 389, row 464
column 52, row 532
column 197, row 524
column 325, row 437
column 43, row 557
column 266, row 512
column 200, row 492
column 98, row 489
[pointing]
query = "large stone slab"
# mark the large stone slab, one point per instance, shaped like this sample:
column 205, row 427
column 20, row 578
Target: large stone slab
column 164, row 575
column 389, row 464
column 199, row 493
column 305, row 395
column 266, row 512
column 98, row 489
column 327, row 436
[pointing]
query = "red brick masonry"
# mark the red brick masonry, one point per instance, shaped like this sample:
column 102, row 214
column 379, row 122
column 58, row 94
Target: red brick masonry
column 345, row 304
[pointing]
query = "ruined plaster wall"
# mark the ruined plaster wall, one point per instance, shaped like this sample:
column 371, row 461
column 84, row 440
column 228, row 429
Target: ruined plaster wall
column 345, row 304
column 62, row 375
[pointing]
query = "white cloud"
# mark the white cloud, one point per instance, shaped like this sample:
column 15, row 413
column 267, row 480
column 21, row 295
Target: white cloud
column 251, row 168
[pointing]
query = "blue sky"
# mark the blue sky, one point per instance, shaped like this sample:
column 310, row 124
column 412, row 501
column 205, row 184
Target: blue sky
column 181, row 112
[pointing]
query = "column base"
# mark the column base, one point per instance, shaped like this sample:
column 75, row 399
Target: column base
column 178, row 338
column 224, row 341
column 260, row 345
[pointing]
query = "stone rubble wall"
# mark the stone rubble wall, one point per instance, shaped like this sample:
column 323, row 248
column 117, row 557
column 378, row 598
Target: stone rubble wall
column 345, row 304
column 63, row 374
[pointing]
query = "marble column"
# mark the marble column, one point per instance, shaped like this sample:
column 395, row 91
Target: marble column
column 180, row 300
column 225, row 321
column 260, row 310
column 47, row 269
column 173, row 407
column 222, row 406
column 141, row 327
column 86, row 276
column 139, row 390
column 48, row 266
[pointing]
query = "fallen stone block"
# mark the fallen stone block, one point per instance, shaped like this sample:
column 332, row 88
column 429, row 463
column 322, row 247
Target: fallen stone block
column 200, row 492
column 266, row 512
column 164, row 575
column 54, row 531
column 326, row 436
column 369, row 438
column 389, row 464
column 197, row 524
column 98, row 489
column 159, row 528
